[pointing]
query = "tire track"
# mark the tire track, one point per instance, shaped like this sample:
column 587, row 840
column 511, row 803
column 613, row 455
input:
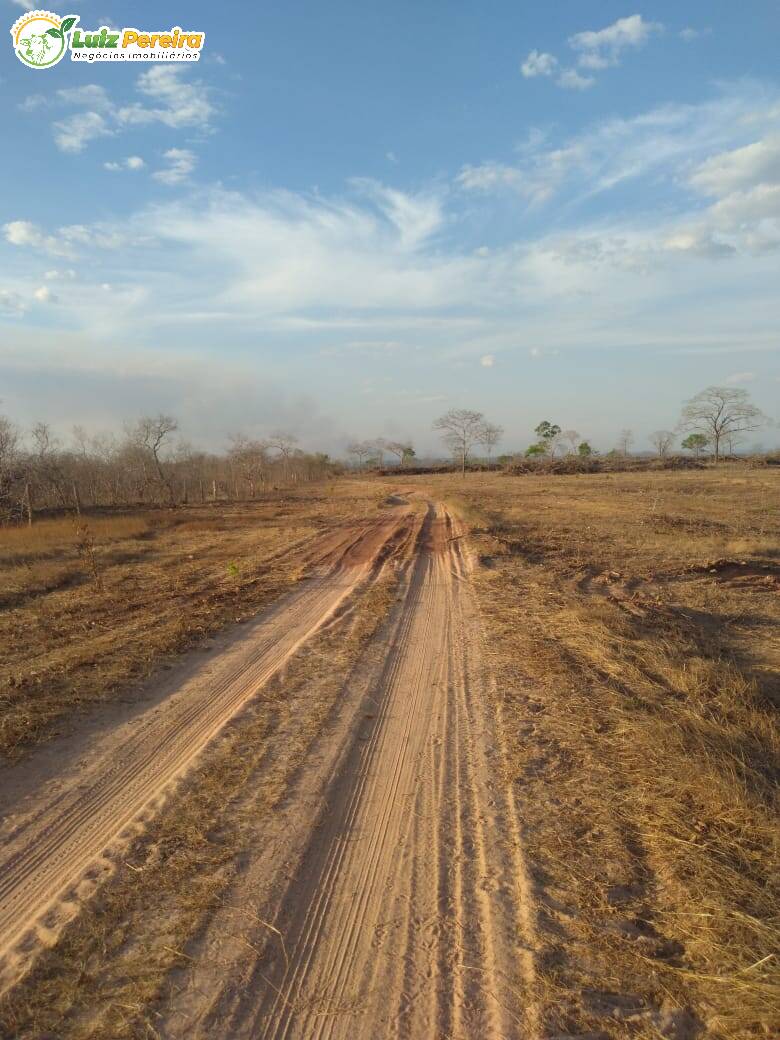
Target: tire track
column 407, row 916
column 43, row 858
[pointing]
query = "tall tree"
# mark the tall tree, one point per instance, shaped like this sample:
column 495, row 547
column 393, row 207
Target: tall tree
column 489, row 437
column 461, row 429
column 625, row 440
column 549, row 435
column 720, row 411
column 152, row 433
column 403, row 450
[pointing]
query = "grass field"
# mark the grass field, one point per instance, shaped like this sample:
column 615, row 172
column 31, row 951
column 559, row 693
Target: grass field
column 632, row 631
column 633, row 627
column 89, row 605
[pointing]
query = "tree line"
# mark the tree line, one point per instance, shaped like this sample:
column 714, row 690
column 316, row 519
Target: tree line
column 716, row 419
column 146, row 466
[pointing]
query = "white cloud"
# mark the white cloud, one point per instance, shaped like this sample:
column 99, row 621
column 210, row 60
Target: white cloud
column 740, row 168
column 25, row 234
column 487, row 360
column 132, row 162
column 181, row 163
column 176, row 100
column 740, row 377
column 43, row 294
column 74, row 133
column 89, row 95
column 570, row 79
column 417, row 217
column 539, row 64
column 599, row 49
column 26, row 5
column 170, row 97
column 57, row 275
column 671, row 143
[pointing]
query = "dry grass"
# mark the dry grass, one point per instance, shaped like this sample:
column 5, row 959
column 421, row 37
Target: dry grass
column 84, row 615
column 633, row 623
column 57, row 536
column 118, row 961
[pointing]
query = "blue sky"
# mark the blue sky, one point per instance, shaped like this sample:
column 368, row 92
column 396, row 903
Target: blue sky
column 347, row 218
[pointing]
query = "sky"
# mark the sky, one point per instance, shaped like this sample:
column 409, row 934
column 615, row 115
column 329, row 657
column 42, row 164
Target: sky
column 347, row 218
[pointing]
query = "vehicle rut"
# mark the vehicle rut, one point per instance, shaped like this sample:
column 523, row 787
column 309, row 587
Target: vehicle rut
column 407, row 915
column 47, row 854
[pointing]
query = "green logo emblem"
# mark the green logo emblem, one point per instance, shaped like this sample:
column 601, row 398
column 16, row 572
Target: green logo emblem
column 40, row 38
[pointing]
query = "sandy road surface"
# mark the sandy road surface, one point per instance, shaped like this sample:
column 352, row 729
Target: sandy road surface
column 406, row 912
column 74, row 818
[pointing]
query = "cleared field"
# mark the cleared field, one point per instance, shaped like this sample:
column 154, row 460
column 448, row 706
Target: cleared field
column 633, row 628
column 91, row 605
column 505, row 765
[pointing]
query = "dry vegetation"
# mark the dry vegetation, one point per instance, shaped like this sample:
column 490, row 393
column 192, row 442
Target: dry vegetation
column 118, row 961
column 90, row 605
column 633, row 629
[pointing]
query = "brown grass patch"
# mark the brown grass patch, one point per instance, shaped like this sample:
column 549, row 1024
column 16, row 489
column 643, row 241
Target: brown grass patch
column 638, row 669
column 117, row 962
column 81, row 625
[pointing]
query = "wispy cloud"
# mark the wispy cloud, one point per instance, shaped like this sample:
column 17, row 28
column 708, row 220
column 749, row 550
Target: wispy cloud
column 604, row 47
column 132, row 162
column 168, row 96
column 180, row 164
column 594, row 50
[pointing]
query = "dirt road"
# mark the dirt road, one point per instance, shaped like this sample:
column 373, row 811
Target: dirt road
column 407, row 914
column 402, row 910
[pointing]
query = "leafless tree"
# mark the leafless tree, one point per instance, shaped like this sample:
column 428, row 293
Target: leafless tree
column 572, row 438
column 719, row 411
column 249, row 459
column 625, row 440
column 361, row 450
column 461, row 429
column 153, row 433
column 662, row 441
column 286, row 444
column 489, row 437
column 9, row 447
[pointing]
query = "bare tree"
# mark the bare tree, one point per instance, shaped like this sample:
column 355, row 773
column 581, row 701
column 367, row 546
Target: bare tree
column 572, row 438
column 152, row 433
column 285, row 444
column 461, row 429
column 9, row 445
column 489, row 437
column 719, row 411
column 662, row 441
column 249, row 459
column 361, row 450
column 625, row 440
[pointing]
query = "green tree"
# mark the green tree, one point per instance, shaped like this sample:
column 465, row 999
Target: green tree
column 584, row 450
column 695, row 442
column 536, row 449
